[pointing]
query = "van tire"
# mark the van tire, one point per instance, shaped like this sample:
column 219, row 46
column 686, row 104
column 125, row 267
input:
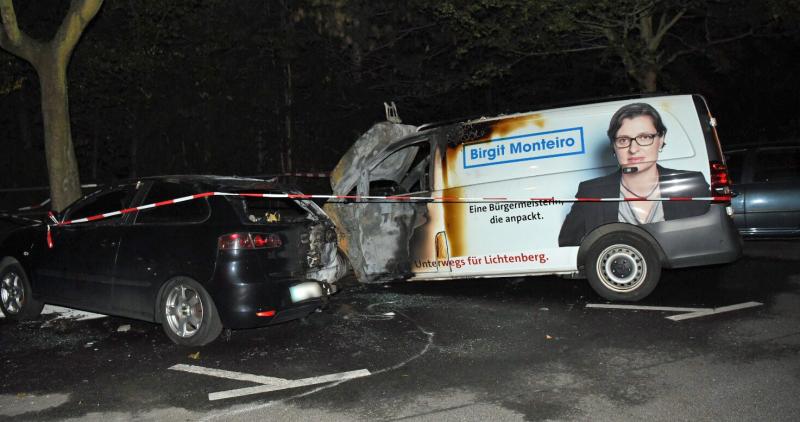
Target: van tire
column 622, row 267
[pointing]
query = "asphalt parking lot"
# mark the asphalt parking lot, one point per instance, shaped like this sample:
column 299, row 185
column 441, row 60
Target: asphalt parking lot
column 494, row 349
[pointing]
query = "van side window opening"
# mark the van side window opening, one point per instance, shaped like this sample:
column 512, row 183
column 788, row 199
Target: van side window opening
column 193, row 211
column 777, row 165
column 406, row 170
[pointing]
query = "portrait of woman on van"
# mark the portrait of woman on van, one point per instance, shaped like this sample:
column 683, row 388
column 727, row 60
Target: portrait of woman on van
column 637, row 135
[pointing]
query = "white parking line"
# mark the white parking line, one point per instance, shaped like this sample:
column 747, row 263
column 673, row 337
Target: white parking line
column 67, row 313
column 268, row 383
column 644, row 308
column 293, row 384
column 691, row 312
column 221, row 373
column 720, row 310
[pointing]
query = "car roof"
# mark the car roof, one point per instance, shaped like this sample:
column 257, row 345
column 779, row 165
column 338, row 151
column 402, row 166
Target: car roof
column 774, row 144
column 222, row 183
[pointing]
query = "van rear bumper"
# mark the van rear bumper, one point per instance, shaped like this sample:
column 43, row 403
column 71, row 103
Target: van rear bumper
column 707, row 239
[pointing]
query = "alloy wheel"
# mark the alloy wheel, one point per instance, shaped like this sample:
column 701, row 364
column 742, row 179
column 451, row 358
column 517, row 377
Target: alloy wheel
column 12, row 292
column 184, row 311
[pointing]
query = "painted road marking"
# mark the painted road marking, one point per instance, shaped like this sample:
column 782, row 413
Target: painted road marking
column 64, row 313
column 239, row 376
column 691, row 312
column 715, row 311
column 644, row 308
column 268, row 384
column 67, row 313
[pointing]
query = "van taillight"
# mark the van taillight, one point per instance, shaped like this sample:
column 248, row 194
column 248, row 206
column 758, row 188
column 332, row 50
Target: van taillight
column 720, row 182
column 236, row 241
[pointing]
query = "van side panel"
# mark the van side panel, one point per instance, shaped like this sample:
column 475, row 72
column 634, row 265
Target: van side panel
column 548, row 158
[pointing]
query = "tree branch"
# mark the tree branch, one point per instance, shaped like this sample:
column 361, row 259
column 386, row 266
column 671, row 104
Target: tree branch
column 12, row 39
column 664, row 28
column 80, row 13
column 680, row 53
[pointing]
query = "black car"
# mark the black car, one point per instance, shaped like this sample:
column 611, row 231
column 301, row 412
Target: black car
column 194, row 266
column 766, row 179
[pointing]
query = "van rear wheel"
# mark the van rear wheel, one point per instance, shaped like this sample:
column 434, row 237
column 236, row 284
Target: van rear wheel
column 622, row 267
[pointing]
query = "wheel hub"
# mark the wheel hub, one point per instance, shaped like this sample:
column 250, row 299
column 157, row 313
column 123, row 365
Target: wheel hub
column 184, row 311
column 621, row 268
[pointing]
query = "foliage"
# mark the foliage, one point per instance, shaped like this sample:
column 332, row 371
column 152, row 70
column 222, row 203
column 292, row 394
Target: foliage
column 226, row 87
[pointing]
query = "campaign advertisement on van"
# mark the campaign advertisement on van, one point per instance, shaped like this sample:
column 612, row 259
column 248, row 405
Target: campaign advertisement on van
column 639, row 150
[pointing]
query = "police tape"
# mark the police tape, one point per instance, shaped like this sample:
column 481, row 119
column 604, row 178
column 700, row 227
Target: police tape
column 361, row 199
column 34, row 206
column 372, row 198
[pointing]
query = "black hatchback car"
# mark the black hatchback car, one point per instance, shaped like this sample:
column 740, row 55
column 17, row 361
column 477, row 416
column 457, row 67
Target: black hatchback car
column 195, row 266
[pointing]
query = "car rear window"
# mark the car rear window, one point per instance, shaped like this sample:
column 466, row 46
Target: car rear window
column 193, row 211
column 268, row 210
column 777, row 165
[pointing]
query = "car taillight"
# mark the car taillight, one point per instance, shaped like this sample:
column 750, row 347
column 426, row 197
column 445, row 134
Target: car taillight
column 720, row 182
column 236, row 241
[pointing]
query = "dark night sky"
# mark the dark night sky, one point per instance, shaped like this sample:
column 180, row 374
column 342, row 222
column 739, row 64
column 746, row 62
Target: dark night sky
column 223, row 87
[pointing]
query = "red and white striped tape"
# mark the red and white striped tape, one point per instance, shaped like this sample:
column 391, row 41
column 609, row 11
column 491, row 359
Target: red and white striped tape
column 34, row 206
column 369, row 198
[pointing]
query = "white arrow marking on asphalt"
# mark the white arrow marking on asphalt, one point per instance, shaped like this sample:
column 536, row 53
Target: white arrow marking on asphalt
column 692, row 312
column 268, row 383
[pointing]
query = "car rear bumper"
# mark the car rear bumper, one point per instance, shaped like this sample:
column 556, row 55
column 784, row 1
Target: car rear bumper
column 251, row 288
column 260, row 304
column 707, row 239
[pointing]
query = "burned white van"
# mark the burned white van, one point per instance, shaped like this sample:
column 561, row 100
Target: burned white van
column 612, row 191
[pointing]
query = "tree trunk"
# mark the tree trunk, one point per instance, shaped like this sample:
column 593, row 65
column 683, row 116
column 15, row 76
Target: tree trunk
column 62, row 165
column 287, row 103
column 648, row 80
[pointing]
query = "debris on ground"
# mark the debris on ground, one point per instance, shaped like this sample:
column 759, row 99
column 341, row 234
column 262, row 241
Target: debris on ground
column 195, row 355
column 124, row 328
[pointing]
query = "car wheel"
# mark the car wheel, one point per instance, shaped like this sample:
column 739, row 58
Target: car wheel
column 16, row 296
column 623, row 267
column 188, row 314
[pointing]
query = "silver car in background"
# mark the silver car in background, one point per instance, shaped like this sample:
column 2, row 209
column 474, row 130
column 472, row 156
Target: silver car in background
column 767, row 180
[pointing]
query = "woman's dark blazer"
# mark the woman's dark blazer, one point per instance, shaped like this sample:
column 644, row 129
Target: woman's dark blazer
column 586, row 216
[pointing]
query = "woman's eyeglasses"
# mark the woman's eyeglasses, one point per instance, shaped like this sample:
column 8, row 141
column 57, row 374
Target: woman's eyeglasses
column 645, row 139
